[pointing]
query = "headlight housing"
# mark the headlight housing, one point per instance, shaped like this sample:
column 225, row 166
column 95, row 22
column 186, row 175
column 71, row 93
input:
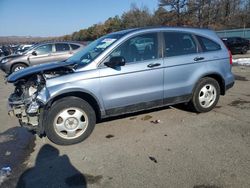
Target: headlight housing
column 4, row 60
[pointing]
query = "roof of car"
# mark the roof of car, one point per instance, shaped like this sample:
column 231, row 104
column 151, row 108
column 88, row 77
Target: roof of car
column 163, row 27
column 155, row 28
column 232, row 38
column 62, row 42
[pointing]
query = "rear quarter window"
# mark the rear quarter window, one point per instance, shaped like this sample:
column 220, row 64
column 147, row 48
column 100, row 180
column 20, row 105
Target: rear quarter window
column 74, row 46
column 207, row 44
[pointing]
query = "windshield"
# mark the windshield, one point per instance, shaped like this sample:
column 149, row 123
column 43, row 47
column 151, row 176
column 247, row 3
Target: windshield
column 29, row 49
column 94, row 49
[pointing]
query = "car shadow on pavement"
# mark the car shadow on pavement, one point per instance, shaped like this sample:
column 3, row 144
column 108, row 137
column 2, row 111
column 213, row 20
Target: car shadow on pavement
column 16, row 144
column 51, row 170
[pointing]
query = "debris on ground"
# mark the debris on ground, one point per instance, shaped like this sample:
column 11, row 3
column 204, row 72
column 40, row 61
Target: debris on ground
column 153, row 159
column 4, row 173
column 110, row 136
column 155, row 121
column 147, row 117
column 7, row 153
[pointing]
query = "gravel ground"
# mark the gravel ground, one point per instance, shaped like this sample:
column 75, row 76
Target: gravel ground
column 210, row 150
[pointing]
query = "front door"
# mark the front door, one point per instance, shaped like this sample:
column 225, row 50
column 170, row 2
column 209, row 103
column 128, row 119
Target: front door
column 41, row 54
column 137, row 85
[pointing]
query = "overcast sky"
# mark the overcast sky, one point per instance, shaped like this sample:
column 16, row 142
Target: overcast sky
column 59, row 17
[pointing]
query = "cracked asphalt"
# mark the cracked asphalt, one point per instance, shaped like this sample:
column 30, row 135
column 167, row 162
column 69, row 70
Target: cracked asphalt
column 167, row 147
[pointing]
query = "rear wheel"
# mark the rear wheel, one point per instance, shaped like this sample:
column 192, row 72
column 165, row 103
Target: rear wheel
column 17, row 67
column 206, row 95
column 244, row 49
column 71, row 120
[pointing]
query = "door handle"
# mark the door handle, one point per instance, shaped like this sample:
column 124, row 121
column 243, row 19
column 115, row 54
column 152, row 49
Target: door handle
column 151, row 65
column 198, row 58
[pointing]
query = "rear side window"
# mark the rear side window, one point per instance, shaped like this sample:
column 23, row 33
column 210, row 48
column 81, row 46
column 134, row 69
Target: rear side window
column 207, row 44
column 74, row 46
column 177, row 43
column 61, row 47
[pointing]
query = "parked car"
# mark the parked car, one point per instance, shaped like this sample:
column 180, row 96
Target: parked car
column 111, row 77
column 237, row 44
column 22, row 48
column 6, row 50
column 39, row 54
column 1, row 52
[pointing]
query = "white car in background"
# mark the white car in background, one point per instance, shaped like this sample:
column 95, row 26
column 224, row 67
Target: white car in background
column 23, row 48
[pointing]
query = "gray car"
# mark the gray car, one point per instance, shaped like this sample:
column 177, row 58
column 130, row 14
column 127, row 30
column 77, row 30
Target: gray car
column 120, row 73
column 38, row 54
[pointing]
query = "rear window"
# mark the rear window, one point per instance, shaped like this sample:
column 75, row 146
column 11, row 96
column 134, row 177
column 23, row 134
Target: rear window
column 178, row 43
column 62, row 47
column 74, row 46
column 207, row 44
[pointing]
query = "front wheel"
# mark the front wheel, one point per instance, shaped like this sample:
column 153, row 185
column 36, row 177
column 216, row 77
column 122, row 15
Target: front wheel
column 70, row 120
column 206, row 95
column 17, row 67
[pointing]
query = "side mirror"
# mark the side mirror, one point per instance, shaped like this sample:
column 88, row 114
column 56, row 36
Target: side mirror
column 115, row 62
column 34, row 53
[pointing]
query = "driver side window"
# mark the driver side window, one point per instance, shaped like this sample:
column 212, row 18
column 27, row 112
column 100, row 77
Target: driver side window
column 44, row 49
column 139, row 48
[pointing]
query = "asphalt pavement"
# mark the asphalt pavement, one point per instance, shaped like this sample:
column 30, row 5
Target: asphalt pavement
column 180, row 150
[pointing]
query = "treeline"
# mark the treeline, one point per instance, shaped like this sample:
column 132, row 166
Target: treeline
column 214, row 14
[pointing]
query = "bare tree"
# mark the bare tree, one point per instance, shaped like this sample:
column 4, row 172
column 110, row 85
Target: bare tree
column 178, row 6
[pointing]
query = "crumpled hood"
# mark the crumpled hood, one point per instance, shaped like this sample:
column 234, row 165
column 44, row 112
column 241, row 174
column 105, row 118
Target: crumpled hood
column 37, row 69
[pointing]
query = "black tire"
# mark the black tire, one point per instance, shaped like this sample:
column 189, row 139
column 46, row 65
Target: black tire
column 205, row 83
column 65, row 105
column 18, row 66
column 244, row 50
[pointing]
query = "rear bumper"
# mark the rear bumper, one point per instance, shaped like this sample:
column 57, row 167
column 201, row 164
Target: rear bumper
column 228, row 86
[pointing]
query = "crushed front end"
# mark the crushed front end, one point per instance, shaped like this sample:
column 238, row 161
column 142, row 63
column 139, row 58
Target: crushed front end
column 29, row 101
column 24, row 102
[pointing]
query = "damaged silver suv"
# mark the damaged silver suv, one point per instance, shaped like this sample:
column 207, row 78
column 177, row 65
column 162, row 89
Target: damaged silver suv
column 120, row 73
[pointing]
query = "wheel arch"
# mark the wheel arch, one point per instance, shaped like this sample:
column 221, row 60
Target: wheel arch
column 80, row 94
column 218, row 78
column 18, row 62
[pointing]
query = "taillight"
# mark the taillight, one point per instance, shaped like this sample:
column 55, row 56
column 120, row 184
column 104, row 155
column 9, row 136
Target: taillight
column 230, row 57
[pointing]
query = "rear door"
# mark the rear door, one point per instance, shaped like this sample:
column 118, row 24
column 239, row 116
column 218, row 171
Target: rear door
column 62, row 52
column 138, row 84
column 181, row 60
